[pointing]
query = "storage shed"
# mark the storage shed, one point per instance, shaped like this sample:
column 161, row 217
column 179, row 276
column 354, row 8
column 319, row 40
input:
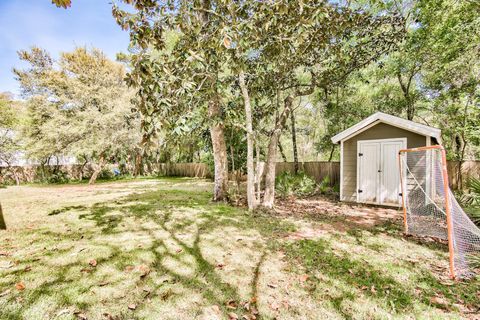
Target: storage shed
column 369, row 168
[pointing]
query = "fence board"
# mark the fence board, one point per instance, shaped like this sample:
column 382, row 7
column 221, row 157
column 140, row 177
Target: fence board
column 317, row 170
column 470, row 169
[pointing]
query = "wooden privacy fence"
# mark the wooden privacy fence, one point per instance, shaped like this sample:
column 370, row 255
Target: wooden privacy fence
column 197, row 170
column 470, row 169
column 317, row 170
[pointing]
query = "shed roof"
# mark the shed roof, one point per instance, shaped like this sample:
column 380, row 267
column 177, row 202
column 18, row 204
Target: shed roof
column 380, row 117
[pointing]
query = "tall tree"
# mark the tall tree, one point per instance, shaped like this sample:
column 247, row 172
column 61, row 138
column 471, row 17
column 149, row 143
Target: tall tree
column 289, row 67
column 451, row 31
column 176, row 78
column 11, row 119
column 79, row 106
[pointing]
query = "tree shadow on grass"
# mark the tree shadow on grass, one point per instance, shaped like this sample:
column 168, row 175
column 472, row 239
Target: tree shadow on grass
column 66, row 209
column 359, row 277
column 161, row 218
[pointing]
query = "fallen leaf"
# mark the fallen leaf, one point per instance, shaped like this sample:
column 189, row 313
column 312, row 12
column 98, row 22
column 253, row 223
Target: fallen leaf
column 129, row 268
column 28, row 268
column 4, row 253
column 303, row 278
column 93, row 263
column 373, row 290
column 20, row 286
column 108, row 316
column 439, row 301
column 232, row 316
column 178, row 250
column 145, row 270
column 132, row 306
column 220, row 266
column 273, row 286
column 82, row 316
column 103, row 283
column 231, row 304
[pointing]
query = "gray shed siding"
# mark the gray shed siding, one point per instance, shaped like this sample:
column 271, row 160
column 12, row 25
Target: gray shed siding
column 349, row 161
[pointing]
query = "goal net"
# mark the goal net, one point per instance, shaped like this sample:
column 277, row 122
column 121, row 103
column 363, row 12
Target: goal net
column 431, row 210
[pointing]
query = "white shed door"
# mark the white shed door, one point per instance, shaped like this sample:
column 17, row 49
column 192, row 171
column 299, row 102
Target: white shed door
column 368, row 163
column 378, row 172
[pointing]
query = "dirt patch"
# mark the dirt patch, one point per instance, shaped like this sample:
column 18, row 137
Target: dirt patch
column 341, row 216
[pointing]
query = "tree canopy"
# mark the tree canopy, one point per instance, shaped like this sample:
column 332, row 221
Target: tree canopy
column 79, row 105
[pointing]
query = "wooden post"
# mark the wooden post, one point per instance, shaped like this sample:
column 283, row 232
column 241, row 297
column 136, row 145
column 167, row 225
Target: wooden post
column 447, row 202
column 402, row 187
column 449, row 213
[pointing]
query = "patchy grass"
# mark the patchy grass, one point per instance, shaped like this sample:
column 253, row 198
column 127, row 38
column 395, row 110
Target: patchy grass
column 160, row 249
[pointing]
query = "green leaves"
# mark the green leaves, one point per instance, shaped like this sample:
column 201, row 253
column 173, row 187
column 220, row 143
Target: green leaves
column 79, row 105
column 62, row 3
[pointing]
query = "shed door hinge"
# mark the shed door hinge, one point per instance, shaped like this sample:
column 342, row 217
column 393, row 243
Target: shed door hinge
column 360, row 154
column 359, row 191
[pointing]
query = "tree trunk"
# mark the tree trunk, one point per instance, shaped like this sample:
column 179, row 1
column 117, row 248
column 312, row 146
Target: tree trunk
column 294, row 143
column 80, row 178
column 269, row 196
column 331, row 153
column 217, row 135
column 3, row 225
column 97, row 171
column 138, row 164
column 460, row 162
column 251, row 199
column 258, row 171
column 282, row 153
column 217, row 131
column 406, row 93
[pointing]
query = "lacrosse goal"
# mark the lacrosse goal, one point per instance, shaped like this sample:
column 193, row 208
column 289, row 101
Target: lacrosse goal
column 431, row 210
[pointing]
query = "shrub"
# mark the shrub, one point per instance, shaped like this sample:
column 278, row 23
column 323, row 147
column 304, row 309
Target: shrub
column 58, row 177
column 472, row 197
column 288, row 184
column 106, row 174
column 471, row 200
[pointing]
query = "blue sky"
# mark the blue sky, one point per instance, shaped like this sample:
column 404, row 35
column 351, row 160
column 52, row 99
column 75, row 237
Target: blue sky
column 24, row 23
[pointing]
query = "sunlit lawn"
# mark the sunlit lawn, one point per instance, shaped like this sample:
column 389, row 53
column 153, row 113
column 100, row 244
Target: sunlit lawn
column 160, row 249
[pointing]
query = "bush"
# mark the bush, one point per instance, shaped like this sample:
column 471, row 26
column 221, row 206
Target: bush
column 58, row 177
column 288, row 184
column 472, row 197
column 106, row 174
column 471, row 200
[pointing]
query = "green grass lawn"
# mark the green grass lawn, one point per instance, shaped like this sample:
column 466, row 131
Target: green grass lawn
column 160, row 249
